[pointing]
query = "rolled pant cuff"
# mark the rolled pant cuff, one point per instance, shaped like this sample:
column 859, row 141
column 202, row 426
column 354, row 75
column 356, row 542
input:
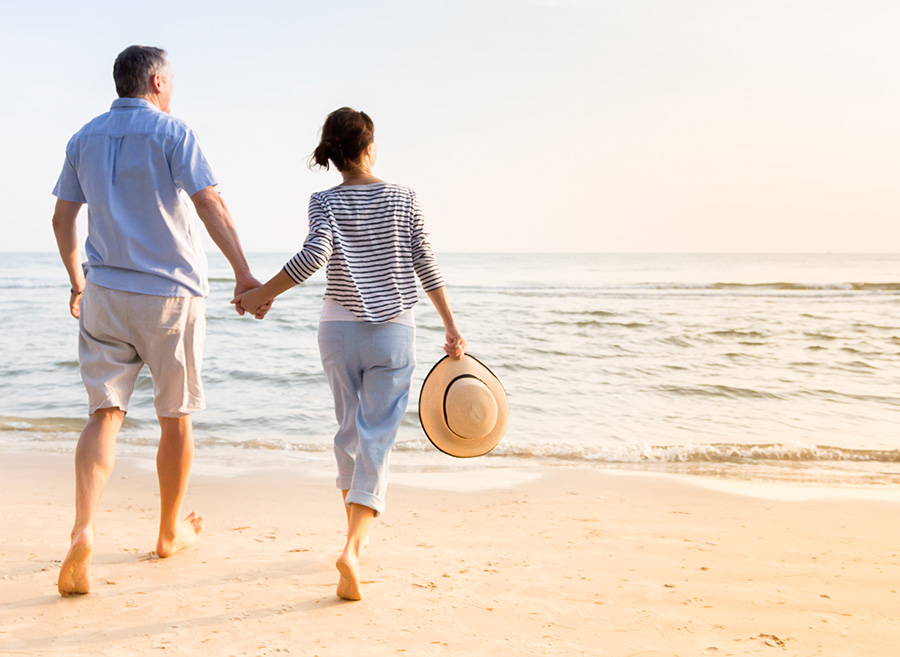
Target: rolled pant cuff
column 365, row 499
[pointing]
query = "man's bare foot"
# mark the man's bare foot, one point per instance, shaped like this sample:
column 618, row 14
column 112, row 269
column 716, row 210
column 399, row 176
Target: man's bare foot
column 348, row 585
column 75, row 574
column 186, row 534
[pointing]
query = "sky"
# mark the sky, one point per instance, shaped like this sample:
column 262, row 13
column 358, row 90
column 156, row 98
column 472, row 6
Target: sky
column 523, row 125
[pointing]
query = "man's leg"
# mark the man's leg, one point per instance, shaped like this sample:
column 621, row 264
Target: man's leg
column 95, row 458
column 173, row 467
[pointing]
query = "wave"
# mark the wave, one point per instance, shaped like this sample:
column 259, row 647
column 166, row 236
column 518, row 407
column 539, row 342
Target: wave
column 612, row 454
column 587, row 313
column 592, row 323
column 735, row 333
column 59, row 427
column 777, row 286
column 830, row 395
column 622, row 454
column 747, row 288
column 717, row 391
column 856, row 287
column 703, row 453
column 47, row 425
column 27, row 284
column 46, row 434
column 735, row 392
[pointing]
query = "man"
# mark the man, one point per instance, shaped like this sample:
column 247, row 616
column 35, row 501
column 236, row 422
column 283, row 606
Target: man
column 141, row 296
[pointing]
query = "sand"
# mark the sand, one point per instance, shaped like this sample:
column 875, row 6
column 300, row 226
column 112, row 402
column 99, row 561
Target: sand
column 485, row 561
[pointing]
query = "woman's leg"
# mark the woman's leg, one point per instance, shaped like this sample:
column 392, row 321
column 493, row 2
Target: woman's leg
column 337, row 347
column 343, row 371
column 365, row 540
column 388, row 352
column 359, row 520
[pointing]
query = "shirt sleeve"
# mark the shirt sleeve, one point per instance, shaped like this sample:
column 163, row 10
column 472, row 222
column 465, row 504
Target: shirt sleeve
column 424, row 261
column 190, row 169
column 68, row 187
column 317, row 247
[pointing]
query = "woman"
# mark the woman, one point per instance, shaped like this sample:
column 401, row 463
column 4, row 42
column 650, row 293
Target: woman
column 371, row 234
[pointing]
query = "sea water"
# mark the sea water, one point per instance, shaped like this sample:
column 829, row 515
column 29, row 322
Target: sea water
column 750, row 366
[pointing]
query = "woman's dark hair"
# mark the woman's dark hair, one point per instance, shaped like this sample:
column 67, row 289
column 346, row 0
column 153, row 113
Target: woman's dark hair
column 346, row 135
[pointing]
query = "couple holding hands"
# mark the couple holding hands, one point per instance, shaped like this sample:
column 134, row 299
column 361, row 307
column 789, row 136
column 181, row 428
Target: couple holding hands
column 140, row 299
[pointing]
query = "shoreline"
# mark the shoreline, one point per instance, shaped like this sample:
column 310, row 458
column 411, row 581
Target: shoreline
column 568, row 561
column 788, row 480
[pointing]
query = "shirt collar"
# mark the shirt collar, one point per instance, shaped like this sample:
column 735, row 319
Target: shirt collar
column 126, row 103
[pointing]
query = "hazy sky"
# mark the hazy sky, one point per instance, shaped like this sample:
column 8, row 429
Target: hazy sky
column 524, row 125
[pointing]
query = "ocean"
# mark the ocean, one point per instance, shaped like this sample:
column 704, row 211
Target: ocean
column 754, row 367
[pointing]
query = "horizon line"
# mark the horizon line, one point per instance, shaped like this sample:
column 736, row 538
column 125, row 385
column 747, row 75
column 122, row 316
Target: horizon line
column 455, row 252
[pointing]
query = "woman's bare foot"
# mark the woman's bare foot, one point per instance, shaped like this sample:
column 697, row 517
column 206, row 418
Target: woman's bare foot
column 75, row 573
column 348, row 585
column 186, row 534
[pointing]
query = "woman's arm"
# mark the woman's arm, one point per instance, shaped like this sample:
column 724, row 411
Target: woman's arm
column 315, row 253
column 455, row 345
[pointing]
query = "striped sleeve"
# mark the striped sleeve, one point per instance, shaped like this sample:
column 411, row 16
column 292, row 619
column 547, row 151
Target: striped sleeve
column 317, row 247
column 424, row 261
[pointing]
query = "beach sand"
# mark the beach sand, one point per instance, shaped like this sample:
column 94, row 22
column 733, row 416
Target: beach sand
column 486, row 561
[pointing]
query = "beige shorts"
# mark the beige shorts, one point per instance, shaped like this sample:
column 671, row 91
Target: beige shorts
column 121, row 331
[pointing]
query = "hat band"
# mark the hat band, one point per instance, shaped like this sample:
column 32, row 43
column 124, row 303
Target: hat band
column 447, row 391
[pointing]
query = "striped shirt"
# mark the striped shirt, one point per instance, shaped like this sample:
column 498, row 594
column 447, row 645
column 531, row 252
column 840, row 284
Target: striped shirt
column 374, row 241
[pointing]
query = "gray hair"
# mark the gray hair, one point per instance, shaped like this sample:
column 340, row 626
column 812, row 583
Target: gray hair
column 135, row 66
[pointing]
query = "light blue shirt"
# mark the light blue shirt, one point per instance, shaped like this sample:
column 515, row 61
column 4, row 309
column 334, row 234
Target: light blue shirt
column 131, row 166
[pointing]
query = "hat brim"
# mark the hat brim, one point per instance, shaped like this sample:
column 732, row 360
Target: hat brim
column 431, row 407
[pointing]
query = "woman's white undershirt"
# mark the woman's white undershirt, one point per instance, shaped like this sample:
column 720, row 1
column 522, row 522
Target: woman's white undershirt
column 332, row 311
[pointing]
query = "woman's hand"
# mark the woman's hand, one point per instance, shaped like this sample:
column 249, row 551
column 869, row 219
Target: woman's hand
column 455, row 346
column 252, row 301
column 244, row 284
column 258, row 300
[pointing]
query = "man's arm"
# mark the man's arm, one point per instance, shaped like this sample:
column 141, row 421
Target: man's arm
column 215, row 216
column 65, row 229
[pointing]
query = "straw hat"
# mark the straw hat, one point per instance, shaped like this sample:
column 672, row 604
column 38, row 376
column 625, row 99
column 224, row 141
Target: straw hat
column 463, row 407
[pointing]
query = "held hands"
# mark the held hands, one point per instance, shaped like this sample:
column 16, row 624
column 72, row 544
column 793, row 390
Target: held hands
column 251, row 301
column 241, row 287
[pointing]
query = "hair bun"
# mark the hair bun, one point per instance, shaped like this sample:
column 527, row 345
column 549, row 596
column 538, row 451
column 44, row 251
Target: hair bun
column 345, row 136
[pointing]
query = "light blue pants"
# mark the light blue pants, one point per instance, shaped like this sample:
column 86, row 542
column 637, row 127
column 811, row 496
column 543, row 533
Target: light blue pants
column 369, row 367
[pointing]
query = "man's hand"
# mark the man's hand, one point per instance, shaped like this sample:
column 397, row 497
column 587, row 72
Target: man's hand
column 253, row 302
column 256, row 299
column 75, row 303
column 64, row 215
column 241, row 288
